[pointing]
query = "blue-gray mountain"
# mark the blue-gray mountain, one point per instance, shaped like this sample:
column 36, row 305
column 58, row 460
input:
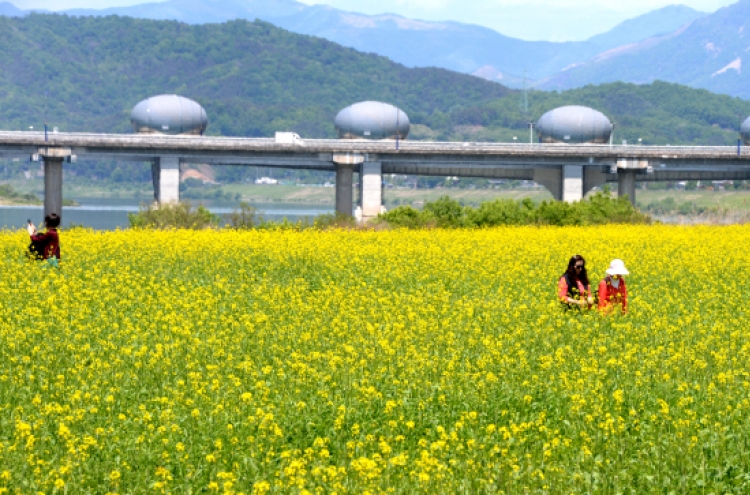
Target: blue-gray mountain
column 709, row 53
column 459, row 47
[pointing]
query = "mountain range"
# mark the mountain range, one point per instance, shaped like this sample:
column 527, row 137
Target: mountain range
column 709, row 53
column 87, row 73
column 450, row 45
column 675, row 44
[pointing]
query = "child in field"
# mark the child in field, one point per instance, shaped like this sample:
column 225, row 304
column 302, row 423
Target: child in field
column 573, row 288
column 45, row 246
column 612, row 290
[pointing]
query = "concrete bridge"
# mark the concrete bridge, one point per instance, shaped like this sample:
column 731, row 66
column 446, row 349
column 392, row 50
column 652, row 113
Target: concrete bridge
column 568, row 171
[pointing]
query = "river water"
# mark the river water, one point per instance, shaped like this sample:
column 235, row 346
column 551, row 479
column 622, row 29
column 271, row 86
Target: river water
column 110, row 214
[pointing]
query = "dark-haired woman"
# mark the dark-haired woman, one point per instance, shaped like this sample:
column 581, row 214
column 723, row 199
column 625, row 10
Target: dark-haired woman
column 573, row 288
column 46, row 246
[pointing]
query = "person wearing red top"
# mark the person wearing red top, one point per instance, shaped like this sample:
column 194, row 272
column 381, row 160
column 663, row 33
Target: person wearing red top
column 46, row 246
column 573, row 288
column 612, row 290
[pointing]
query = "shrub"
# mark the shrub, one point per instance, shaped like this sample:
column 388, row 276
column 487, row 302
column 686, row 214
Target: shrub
column 446, row 212
column 173, row 216
column 601, row 208
column 332, row 221
column 245, row 217
column 502, row 212
column 403, row 216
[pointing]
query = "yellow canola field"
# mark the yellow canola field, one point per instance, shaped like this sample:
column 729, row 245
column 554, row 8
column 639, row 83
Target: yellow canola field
column 374, row 362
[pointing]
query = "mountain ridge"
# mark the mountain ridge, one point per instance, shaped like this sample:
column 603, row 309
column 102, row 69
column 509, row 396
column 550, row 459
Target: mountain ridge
column 454, row 46
column 252, row 77
column 708, row 54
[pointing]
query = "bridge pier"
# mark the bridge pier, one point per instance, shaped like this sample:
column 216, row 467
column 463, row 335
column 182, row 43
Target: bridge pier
column 626, row 183
column 53, row 180
column 572, row 177
column 565, row 183
column 371, row 189
column 165, row 173
column 344, row 195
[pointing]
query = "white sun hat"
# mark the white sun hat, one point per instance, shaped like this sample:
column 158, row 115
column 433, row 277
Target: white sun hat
column 617, row 267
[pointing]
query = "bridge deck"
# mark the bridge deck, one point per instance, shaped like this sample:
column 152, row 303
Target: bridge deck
column 160, row 144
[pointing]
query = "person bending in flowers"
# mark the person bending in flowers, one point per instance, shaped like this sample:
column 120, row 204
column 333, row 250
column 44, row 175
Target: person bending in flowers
column 612, row 290
column 573, row 288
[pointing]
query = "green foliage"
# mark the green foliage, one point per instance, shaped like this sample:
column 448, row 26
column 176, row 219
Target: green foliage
column 245, row 217
column 333, row 221
column 252, row 78
column 404, row 216
column 657, row 113
column 173, row 216
column 7, row 193
column 446, row 212
column 670, row 206
column 600, row 209
column 502, row 212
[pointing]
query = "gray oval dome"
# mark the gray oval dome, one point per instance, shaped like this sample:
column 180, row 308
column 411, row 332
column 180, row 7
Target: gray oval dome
column 372, row 120
column 745, row 131
column 169, row 114
column 574, row 124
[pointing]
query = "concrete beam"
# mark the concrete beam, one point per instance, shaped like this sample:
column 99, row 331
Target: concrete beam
column 371, row 190
column 53, row 181
column 165, row 173
column 678, row 175
column 344, row 194
column 478, row 171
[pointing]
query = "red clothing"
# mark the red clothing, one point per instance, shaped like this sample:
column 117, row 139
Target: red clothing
column 610, row 296
column 562, row 289
column 47, row 244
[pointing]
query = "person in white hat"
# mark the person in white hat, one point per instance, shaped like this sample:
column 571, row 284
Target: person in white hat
column 612, row 290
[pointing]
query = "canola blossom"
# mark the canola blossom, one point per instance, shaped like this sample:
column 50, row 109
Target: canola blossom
column 433, row 361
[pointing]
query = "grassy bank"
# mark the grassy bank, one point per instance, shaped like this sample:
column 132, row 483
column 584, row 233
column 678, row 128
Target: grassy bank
column 696, row 203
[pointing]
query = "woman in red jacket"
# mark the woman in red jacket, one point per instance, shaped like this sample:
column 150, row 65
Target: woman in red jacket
column 612, row 290
column 46, row 246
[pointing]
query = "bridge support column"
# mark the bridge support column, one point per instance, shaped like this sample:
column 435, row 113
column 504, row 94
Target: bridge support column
column 371, row 190
column 626, row 184
column 53, row 180
column 344, row 196
column 565, row 183
column 572, row 178
column 551, row 178
column 165, row 173
column 593, row 177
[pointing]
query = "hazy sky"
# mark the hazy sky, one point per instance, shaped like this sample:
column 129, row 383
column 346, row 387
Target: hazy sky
column 555, row 20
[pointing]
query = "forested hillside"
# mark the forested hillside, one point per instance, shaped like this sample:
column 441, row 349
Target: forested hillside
column 657, row 113
column 254, row 79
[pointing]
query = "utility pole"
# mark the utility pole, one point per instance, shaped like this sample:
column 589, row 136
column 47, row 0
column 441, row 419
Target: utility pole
column 45, row 116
